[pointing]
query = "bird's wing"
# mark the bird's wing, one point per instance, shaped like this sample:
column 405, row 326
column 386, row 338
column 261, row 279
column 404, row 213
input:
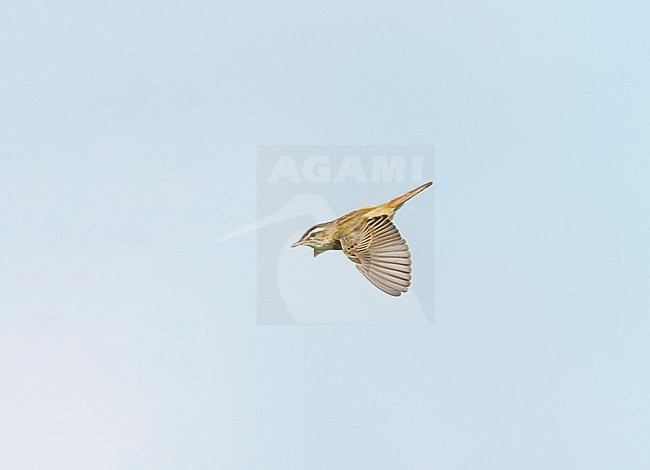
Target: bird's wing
column 380, row 253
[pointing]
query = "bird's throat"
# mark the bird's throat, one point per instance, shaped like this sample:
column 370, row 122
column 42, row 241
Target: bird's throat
column 335, row 245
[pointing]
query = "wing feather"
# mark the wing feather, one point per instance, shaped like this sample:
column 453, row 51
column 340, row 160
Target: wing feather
column 381, row 255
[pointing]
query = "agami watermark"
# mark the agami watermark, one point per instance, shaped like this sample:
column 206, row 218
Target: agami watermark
column 299, row 187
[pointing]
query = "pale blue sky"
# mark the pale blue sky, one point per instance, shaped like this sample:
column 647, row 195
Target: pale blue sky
column 128, row 137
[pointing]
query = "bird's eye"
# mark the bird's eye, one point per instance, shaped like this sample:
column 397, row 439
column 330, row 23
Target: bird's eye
column 312, row 234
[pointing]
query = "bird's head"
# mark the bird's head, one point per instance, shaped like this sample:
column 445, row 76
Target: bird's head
column 319, row 237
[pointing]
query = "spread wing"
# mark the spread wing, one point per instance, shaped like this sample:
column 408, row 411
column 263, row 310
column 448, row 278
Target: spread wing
column 382, row 255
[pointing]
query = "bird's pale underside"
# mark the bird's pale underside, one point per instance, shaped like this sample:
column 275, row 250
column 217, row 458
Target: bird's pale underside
column 371, row 241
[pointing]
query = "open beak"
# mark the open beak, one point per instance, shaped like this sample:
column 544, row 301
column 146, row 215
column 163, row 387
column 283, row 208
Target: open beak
column 298, row 243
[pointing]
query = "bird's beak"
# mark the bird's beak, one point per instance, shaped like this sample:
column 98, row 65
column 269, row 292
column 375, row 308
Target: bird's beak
column 298, row 243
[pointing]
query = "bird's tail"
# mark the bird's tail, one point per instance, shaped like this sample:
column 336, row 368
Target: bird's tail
column 398, row 202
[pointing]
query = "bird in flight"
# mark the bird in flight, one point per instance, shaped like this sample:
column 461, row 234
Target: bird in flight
column 371, row 241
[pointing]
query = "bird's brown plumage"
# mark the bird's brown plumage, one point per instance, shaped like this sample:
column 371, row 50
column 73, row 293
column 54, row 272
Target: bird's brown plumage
column 381, row 255
column 371, row 241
